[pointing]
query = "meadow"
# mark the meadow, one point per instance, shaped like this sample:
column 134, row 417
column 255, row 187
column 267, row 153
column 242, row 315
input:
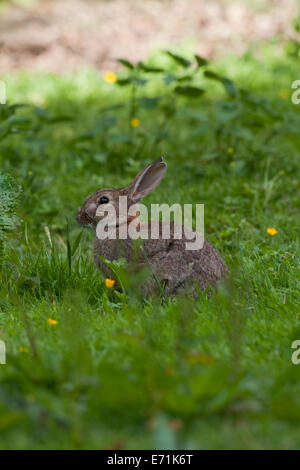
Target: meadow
column 88, row 368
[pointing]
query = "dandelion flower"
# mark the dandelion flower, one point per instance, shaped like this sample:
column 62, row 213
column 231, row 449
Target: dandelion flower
column 110, row 77
column 109, row 282
column 135, row 122
column 284, row 94
column 232, row 164
column 230, row 150
column 52, row 322
column 24, row 350
column 29, row 172
column 272, row 231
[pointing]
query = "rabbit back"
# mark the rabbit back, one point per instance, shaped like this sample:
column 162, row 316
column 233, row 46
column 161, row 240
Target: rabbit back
column 173, row 265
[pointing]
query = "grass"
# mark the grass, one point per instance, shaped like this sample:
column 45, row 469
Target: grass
column 120, row 371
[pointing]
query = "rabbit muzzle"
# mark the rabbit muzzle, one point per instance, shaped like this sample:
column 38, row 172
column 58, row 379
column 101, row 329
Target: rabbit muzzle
column 85, row 218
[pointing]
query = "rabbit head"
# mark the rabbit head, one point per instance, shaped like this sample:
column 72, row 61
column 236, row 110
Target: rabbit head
column 143, row 184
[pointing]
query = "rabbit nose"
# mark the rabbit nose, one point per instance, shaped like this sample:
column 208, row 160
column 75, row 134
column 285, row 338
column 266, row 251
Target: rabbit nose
column 91, row 209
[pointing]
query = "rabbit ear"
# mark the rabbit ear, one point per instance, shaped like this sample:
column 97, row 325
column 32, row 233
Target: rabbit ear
column 147, row 179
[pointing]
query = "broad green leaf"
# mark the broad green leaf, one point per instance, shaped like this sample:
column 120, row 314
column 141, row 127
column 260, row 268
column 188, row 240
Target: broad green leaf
column 148, row 103
column 119, row 138
column 184, row 78
column 12, row 125
column 200, row 130
column 127, row 81
column 179, row 59
column 189, row 91
column 169, row 78
column 226, row 82
column 57, row 119
column 148, row 69
column 42, row 113
column 296, row 24
column 201, row 62
column 100, row 157
column 103, row 123
column 46, row 116
column 139, row 81
column 126, row 63
column 123, row 81
column 112, row 107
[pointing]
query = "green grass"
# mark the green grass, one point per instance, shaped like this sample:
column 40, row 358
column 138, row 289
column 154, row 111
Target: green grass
column 130, row 372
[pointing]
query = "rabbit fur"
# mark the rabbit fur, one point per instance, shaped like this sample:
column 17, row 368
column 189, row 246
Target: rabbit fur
column 170, row 263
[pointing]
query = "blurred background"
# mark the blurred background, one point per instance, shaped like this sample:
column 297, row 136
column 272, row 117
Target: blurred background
column 62, row 35
column 90, row 367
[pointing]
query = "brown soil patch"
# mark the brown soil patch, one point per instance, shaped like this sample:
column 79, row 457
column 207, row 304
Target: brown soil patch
column 62, row 35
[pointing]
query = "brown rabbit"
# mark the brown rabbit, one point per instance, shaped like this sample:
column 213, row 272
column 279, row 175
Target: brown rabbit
column 171, row 263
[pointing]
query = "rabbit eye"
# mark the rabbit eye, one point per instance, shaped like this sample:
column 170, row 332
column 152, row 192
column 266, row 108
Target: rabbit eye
column 104, row 200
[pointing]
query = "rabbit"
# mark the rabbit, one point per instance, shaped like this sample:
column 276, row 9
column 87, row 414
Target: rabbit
column 171, row 264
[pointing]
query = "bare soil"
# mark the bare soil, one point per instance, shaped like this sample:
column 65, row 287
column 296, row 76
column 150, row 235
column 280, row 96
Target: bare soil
column 62, row 35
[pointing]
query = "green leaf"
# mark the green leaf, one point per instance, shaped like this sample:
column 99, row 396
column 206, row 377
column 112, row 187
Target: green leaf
column 15, row 107
column 76, row 243
column 126, row 63
column 112, row 107
column 229, row 86
column 69, row 254
column 148, row 69
column 200, row 130
column 100, row 157
column 119, row 138
column 139, row 81
column 129, row 80
column 184, row 78
column 42, row 113
column 296, row 24
column 102, row 124
column 292, row 48
column 201, row 62
column 169, row 78
column 118, row 267
column 148, row 103
column 11, row 125
column 57, row 119
column 189, row 91
column 123, row 81
column 226, row 82
column 179, row 59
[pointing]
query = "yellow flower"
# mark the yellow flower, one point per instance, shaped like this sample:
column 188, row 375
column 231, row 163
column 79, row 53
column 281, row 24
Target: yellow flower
column 110, row 77
column 284, row 94
column 25, row 350
column 135, row 122
column 29, row 172
column 109, row 282
column 232, row 164
column 272, row 231
column 52, row 322
column 230, row 150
